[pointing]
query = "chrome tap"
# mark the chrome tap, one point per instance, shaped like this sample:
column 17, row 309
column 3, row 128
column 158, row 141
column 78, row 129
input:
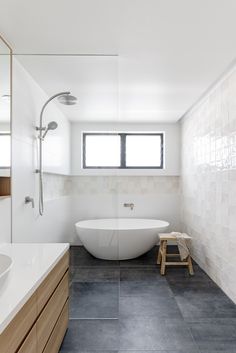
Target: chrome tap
column 131, row 205
column 29, row 199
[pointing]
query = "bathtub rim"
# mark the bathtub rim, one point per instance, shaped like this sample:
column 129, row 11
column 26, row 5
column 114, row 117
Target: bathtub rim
column 163, row 224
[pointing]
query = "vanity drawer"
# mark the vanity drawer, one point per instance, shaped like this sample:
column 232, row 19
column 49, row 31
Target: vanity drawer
column 30, row 343
column 50, row 314
column 16, row 331
column 59, row 331
column 48, row 286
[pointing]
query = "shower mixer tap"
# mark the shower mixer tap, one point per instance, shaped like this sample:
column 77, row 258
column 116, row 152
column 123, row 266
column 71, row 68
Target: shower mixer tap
column 131, row 205
column 29, row 199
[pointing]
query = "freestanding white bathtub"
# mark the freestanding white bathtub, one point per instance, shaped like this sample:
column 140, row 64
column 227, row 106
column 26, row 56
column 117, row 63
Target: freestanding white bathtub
column 119, row 238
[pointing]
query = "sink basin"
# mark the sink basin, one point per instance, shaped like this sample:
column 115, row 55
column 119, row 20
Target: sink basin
column 5, row 266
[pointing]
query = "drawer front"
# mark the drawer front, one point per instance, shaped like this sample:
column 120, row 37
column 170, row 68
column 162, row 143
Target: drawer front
column 30, row 343
column 48, row 286
column 59, row 331
column 51, row 312
column 12, row 337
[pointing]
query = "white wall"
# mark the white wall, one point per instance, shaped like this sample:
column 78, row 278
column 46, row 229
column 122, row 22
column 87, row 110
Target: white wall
column 5, row 220
column 28, row 226
column 172, row 147
column 209, row 182
column 5, row 202
column 103, row 197
column 102, row 193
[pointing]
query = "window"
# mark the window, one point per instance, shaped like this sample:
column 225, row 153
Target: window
column 5, row 150
column 123, row 150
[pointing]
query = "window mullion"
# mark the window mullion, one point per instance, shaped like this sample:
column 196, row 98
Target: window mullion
column 122, row 150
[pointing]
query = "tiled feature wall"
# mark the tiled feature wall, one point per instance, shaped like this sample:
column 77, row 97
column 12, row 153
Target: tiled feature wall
column 209, row 182
column 123, row 185
column 56, row 186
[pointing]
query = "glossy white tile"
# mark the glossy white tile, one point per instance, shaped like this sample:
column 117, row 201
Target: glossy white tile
column 208, row 182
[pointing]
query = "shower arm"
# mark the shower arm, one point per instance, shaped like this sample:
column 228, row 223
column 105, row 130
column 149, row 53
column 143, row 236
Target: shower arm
column 41, row 128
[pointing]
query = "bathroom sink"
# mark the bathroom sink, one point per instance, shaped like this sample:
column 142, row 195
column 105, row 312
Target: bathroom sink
column 5, row 266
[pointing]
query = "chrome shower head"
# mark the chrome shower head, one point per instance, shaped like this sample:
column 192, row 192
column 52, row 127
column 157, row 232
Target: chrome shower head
column 51, row 126
column 67, row 99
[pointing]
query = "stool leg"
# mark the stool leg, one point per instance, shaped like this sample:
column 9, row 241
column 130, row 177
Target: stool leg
column 190, row 266
column 159, row 254
column 163, row 260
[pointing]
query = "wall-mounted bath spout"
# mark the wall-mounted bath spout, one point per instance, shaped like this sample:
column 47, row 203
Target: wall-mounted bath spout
column 42, row 133
column 130, row 205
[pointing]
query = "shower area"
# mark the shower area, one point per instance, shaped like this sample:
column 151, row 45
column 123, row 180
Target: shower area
column 57, row 100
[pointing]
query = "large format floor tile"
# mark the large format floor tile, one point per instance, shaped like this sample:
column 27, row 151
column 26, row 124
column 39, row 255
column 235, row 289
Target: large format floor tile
column 148, row 259
column 132, row 288
column 86, row 351
column 62, row 350
column 147, row 274
column 155, row 334
column 206, row 305
column 158, row 307
column 89, row 335
column 152, row 351
column 94, row 300
column 214, row 334
column 94, row 274
column 81, row 258
column 143, row 282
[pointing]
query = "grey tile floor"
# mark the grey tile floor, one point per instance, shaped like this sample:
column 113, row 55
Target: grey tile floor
column 127, row 307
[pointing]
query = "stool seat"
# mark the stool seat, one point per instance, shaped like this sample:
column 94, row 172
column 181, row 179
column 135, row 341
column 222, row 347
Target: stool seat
column 169, row 236
column 162, row 253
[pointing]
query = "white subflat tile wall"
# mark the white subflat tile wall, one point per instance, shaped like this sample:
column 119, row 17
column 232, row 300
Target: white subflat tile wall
column 56, row 186
column 121, row 185
column 208, row 182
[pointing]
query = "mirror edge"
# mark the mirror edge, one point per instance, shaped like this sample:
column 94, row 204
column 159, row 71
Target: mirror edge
column 11, row 79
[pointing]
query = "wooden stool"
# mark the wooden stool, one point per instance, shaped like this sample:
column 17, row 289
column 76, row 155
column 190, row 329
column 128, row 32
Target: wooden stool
column 162, row 254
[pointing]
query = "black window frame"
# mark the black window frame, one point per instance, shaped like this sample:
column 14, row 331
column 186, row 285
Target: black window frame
column 123, row 149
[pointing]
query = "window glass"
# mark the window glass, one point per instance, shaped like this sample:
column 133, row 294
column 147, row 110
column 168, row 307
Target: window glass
column 123, row 150
column 102, row 151
column 143, row 151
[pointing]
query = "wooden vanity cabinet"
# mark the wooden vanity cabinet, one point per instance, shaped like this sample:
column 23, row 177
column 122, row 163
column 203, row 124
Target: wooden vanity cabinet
column 39, row 327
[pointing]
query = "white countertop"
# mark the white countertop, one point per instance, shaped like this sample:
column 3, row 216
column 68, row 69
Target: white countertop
column 31, row 264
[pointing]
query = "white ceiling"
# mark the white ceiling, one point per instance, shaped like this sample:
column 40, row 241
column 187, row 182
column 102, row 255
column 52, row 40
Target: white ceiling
column 93, row 80
column 170, row 51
